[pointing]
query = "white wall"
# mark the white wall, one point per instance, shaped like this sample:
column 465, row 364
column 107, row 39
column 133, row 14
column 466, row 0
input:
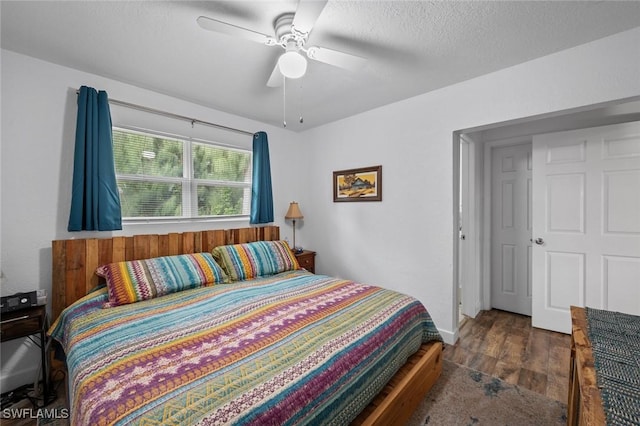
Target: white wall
column 38, row 134
column 406, row 242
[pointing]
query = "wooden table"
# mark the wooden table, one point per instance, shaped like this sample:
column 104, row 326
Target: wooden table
column 26, row 323
column 585, row 401
column 306, row 259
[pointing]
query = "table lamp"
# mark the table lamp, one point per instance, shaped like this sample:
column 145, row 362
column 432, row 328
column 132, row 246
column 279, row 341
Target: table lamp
column 294, row 213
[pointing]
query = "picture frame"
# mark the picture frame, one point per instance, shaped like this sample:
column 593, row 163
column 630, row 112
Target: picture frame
column 362, row 184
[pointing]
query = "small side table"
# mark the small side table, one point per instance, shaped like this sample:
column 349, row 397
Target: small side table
column 307, row 260
column 26, row 323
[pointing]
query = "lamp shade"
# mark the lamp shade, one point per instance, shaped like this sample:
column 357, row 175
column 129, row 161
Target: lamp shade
column 294, row 211
column 292, row 64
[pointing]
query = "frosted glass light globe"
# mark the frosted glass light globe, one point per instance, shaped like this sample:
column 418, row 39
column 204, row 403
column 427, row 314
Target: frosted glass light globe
column 292, row 64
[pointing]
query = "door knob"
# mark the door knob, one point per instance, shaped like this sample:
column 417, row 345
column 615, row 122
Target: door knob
column 539, row 241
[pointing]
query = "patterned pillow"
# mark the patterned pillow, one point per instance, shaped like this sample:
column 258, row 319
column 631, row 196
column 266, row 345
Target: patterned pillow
column 251, row 260
column 137, row 280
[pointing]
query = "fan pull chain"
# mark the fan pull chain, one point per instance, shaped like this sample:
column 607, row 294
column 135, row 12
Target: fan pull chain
column 300, row 103
column 284, row 101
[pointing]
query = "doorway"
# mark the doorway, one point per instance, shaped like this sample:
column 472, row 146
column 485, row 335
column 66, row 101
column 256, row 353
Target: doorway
column 473, row 253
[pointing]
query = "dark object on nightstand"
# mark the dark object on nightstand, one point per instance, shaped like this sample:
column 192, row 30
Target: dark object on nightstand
column 307, row 260
column 18, row 301
column 25, row 323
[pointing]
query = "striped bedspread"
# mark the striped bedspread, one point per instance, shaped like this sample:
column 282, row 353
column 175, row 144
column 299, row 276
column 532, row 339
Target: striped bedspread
column 294, row 348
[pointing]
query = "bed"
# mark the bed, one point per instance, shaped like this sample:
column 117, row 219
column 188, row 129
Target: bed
column 287, row 347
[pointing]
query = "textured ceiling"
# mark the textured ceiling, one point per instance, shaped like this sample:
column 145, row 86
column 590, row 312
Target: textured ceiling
column 412, row 47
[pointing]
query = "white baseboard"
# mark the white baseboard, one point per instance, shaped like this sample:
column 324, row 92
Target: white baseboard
column 448, row 336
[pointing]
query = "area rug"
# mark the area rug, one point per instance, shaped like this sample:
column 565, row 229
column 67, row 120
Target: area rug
column 462, row 396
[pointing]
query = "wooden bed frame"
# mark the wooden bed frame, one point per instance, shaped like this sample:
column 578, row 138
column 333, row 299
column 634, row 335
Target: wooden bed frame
column 75, row 260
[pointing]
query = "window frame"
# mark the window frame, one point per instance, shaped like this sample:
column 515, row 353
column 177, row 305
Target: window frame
column 188, row 182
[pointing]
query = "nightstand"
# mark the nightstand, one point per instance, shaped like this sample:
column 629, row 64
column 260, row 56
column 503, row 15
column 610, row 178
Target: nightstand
column 26, row 323
column 307, row 260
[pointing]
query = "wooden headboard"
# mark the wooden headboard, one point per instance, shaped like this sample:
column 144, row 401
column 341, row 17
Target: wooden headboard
column 75, row 260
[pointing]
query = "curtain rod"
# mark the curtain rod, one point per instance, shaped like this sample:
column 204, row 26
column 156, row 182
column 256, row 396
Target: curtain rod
column 176, row 116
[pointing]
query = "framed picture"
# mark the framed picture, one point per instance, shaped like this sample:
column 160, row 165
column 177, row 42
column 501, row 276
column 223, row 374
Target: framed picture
column 364, row 184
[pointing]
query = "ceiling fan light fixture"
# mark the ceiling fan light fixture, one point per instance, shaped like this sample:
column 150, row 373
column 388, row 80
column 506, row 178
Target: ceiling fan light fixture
column 292, row 64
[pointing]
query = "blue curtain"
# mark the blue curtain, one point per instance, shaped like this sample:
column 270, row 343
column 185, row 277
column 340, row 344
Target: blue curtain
column 95, row 201
column 261, row 194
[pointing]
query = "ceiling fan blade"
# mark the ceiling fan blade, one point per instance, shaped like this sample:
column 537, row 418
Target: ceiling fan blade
column 211, row 24
column 276, row 77
column 336, row 58
column 307, row 14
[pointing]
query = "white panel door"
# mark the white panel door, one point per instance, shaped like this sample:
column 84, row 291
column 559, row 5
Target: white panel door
column 586, row 223
column 511, row 228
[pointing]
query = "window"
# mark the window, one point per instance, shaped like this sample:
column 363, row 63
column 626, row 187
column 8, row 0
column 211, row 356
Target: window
column 167, row 177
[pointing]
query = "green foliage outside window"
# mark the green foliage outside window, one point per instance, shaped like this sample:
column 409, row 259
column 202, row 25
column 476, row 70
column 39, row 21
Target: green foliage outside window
column 154, row 180
column 217, row 201
column 150, row 199
column 139, row 154
column 221, row 164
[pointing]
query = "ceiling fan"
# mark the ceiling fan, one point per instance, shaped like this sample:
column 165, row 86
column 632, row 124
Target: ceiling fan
column 291, row 31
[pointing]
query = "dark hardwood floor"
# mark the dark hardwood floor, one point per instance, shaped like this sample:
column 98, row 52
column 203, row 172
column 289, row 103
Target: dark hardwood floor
column 505, row 345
